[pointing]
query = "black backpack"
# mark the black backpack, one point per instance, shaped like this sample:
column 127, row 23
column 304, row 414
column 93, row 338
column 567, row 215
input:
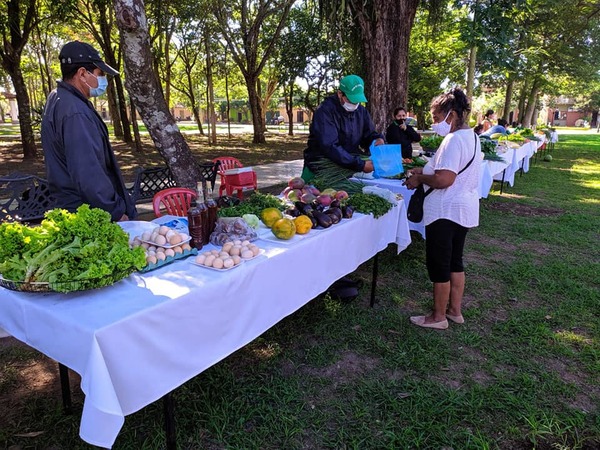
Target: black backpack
column 344, row 290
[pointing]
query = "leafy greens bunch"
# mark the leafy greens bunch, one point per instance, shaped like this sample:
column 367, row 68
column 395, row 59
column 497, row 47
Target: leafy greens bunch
column 71, row 251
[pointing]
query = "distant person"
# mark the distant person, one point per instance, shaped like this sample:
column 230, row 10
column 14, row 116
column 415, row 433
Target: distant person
column 478, row 129
column 451, row 208
column 488, row 120
column 341, row 130
column 399, row 132
column 80, row 164
column 501, row 128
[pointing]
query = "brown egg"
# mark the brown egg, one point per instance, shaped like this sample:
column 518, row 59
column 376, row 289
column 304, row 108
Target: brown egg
column 228, row 263
column 175, row 239
column 209, row 261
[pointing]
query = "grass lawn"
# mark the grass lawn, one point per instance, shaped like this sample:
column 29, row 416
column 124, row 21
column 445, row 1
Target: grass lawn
column 523, row 372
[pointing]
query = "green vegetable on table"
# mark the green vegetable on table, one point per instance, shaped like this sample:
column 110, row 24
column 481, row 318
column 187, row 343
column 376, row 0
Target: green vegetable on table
column 369, row 204
column 254, row 204
column 431, row 142
column 71, row 251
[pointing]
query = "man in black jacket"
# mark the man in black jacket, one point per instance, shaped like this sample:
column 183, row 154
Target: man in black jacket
column 399, row 132
column 80, row 164
column 340, row 128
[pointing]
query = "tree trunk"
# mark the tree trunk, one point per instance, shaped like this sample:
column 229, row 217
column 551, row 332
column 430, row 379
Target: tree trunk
column 114, row 110
column 25, row 125
column 471, row 72
column 122, row 105
column 508, row 97
column 385, row 38
column 212, row 125
column 289, row 107
column 144, row 87
column 522, row 100
column 258, row 120
column 136, row 130
column 594, row 122
column 228, row 107
column 531, row 102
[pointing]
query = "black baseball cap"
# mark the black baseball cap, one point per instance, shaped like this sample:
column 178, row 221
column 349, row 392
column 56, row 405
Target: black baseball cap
column 77, row 52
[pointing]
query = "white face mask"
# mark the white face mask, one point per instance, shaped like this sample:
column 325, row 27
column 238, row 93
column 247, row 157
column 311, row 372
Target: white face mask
column 442, row 128
column 350, row 107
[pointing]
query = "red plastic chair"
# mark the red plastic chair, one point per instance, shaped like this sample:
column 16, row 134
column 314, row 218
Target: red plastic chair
column 176, row 201
column 232, row 183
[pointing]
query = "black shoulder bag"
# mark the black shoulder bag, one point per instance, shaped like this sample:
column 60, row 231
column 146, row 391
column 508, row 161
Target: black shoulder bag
column 414, row 211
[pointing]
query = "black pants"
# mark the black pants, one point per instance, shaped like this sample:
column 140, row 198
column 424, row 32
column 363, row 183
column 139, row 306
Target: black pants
column 444, row 246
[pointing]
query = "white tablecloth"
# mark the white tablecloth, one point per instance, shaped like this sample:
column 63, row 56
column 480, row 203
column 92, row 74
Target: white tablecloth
column 137, row 340
column 520, row 159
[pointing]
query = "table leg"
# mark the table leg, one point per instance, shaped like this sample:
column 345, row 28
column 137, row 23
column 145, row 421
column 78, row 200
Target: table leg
column 374, row 278
column 169, row 413
column 65, row 388
column 502, row 182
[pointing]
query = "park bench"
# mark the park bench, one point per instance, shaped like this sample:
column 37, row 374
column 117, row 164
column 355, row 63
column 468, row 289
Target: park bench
column 24, row 198
column 151, row 180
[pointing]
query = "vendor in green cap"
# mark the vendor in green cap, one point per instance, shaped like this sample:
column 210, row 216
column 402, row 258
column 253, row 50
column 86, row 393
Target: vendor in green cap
column 341, row 130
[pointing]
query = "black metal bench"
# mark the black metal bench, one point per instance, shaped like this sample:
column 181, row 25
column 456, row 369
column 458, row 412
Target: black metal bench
column 151, row 180
column 24, row 198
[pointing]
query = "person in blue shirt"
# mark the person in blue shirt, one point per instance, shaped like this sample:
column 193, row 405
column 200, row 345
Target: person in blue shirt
column 500, row 128
column 80, row 164
column 341, row 130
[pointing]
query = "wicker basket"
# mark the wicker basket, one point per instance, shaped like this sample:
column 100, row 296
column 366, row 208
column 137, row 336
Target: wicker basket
column 63, row 286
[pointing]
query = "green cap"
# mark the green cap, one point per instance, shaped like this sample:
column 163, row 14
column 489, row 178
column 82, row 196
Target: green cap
column 353, row 88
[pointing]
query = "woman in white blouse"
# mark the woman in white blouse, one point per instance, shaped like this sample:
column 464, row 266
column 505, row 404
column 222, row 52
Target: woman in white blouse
column 451, row 207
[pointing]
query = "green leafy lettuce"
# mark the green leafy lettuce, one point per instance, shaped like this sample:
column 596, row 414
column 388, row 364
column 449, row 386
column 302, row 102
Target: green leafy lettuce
column 71, row 251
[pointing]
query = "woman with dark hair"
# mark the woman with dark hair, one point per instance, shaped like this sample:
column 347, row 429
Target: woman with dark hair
column 399, row 132
column 488, row 120
column 451, row 206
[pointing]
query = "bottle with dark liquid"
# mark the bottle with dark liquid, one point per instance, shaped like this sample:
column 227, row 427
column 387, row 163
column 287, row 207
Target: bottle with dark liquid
column 195, row 225
column 211, row 204
column 204, row 213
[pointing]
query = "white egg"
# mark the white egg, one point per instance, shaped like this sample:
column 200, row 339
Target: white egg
column 247, row 254
column 152, row 248
column 151, row 259
column 228, row 263
column 184, row 237
column 214, row 252
column 200, row 259
column 236, row 260
column 160, row 256
column 227, row 246
column 145, row 245
column 209, row 260
column 153, row 237
column 255, row 250
column 146, row 235
column 223, row 255
column 169, row 252
column 245, row 243
column 160, row 240
column 218, row 263
column 163, row 230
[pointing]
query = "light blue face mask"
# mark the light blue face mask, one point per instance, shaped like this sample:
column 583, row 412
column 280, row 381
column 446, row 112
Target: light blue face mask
column 102, row 85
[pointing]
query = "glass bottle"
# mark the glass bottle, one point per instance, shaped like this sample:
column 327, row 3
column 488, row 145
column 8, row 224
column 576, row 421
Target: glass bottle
column 211, row 204
column 195, row 225
column 203, row 212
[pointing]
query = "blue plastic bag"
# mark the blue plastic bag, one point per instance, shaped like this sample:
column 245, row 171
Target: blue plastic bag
column 387, row 160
